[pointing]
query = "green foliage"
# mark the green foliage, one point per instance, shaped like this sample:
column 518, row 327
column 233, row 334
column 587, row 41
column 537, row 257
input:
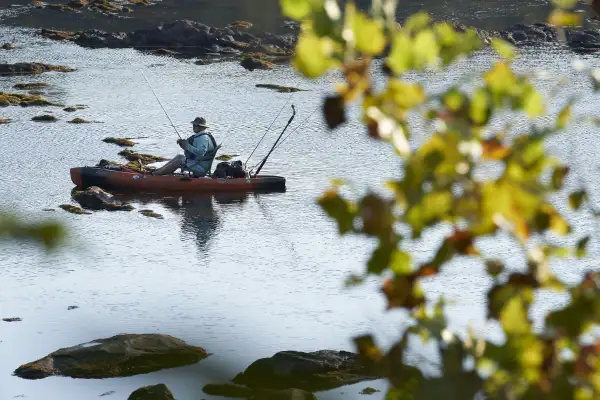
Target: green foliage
column 439, row 186
column 47, row 233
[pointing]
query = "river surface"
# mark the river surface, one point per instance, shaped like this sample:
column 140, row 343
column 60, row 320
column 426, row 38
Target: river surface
column 242, row 276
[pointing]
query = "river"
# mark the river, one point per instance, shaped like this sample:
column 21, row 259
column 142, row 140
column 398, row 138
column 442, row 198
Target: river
column 242, row 276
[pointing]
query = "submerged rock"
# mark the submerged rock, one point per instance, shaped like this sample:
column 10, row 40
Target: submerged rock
column 238, row 391
column 369, row 390
column 30, row 85
column 154, row 392
column 30, row 69
column 13, row 319
column 123, row 142
column 252, row 63
column 24, row 100
column 4, row 120
column 150, row 213
column 8, row 46
column 315, row 371
column 240, row 25
column 280, row 89
column 74, row 209
column 94, row 198
column 44, row 118
column 75, row 108
column 78, row 121
column 117, row 356
column 72, row 308
column 130, row 155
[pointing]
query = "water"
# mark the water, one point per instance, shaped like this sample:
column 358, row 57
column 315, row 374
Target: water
column 243, row 277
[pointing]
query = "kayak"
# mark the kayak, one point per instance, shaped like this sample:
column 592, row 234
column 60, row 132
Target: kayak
column 104, row 178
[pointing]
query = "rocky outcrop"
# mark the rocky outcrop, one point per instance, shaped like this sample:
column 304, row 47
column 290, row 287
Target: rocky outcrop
column 154, row 392
column 30, row 69
column 185, row 38
column 94, row 198
column 117, row 356
column 23, row 100
column 316, row 371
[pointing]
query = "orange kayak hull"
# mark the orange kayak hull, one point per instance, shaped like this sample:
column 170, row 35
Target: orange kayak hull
column 85, row 177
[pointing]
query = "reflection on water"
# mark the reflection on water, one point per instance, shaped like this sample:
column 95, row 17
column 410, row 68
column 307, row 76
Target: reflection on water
column 200, row 219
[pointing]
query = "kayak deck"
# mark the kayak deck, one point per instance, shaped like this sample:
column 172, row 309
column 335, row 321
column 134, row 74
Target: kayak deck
column 85, row 177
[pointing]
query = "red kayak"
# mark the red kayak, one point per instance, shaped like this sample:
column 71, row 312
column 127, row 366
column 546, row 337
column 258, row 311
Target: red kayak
column 104, row 178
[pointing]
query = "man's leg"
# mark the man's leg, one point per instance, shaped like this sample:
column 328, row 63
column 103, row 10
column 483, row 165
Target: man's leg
column 171, row 166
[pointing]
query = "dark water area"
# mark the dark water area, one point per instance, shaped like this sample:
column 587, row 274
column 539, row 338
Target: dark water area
column 266, row 15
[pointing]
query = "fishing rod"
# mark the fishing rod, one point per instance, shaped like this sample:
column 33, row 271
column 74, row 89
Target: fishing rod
column 161, row 106
column 277, row 141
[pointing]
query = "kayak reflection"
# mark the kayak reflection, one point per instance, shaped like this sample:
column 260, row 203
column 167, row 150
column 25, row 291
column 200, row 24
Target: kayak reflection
column 201, row 214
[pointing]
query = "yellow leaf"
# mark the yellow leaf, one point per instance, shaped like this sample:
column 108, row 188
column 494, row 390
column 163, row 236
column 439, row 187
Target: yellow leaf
column 426, row 48
column 447, row 36
column 406, row 95
column 500, row 78
column 513, row 317
column 295, row 9
column 313, row 55
column 562, row 18
column 534, row 104
column 401, row 56
column 504, row 48
column 564, row 117
column 453, row 100
column 480, row 106
column 369, row 35
column 417, row 21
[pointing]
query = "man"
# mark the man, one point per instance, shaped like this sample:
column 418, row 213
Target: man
column 199, row 150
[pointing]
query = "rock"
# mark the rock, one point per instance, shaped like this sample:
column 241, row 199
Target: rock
column 4, row 120
column 227, row 390
column 77, row 4
column 154, row 392
column 369, row 390
column 109, row 393
column 74, row 209
column 72, row 308
column 44, row 118
column 118, row 356
column 252, row 63
column 141, row 2
column 150, row 213
column 35, row 92
column 165, row 52
column 14, row 319
column 8, row 46
column 119, row 141
column 23, row 100
column 280, row 89
column 75, row 108
column 58, row 35
column 240, row 25
column 130, row 155
column 78, row 121
column 30, row 85
column 94, row 198
column 319, row 370
column 30, row 69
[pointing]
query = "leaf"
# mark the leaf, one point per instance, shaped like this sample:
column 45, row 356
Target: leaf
column 417, row 21
column 480, row 107
column 339, row 209
column 368, row 352
column 381, row 257
column 406, row 95
column 400, row 263
column 582, row 247
column 312, row 56
column 369, row 35
column 426, row 49
column 334, row 111
column 295, row 9
column 377, row 216
column 494, row 267
column 558, row 176
column 577, row 198
column 534, row 104
column 402, row 292
column 500, row 79
column 565, row 19
column 513, row 317
column 564, row 116
column 565, row 4
column 401, row 55
column 503, row 48
column 453, row 99
column 494, row 149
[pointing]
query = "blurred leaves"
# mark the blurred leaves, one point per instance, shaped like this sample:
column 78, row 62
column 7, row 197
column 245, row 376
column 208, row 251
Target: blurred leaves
column 47, row 233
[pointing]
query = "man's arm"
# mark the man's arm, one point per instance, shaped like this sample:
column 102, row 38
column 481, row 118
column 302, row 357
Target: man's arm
column 200, row 146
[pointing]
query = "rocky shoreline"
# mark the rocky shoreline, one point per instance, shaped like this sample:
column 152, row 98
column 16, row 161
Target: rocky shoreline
column 192, row 39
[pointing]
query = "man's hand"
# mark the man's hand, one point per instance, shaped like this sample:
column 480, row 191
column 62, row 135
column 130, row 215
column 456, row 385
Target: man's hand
column 180, row 142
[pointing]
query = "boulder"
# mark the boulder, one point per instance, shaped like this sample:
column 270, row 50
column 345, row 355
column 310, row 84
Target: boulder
column 154, row 392
column 30, row 69
column 252, row 63
column 94, row 198
column 118, row 356
column 315, row 371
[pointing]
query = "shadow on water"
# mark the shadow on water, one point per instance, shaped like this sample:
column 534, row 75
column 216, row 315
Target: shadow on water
column 200, row 219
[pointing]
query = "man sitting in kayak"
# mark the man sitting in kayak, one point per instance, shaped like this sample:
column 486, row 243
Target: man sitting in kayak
column 199, row 150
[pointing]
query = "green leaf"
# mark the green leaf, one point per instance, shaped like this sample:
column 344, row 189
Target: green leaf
column 295, row 9
column 381, row 257
column 504, row 48
column 558, row 176
column 369, row 35
column 564, row 116
column 426, row 49
column 577, row 198
column 563, row 19
column 534, row 104
column 400, row 263
column 494, row 267
column 313, row 55
column 339, row 209
column 582, row 246
column 513, row 317
column 417, row 21
column 401, row 55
